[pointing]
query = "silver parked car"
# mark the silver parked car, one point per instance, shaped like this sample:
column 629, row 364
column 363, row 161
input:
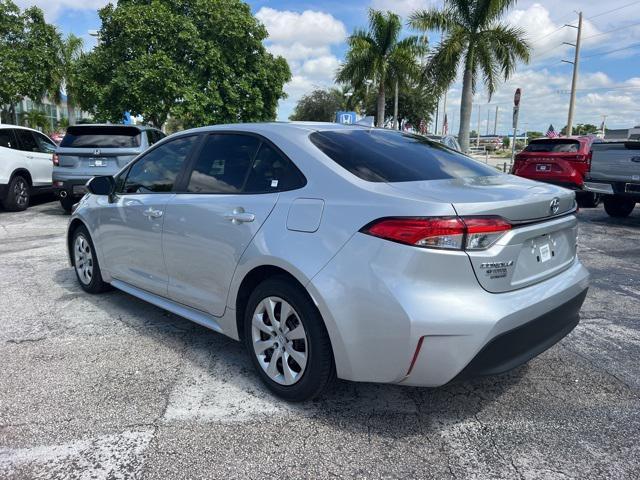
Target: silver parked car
column 88, row 150
column 369, row 254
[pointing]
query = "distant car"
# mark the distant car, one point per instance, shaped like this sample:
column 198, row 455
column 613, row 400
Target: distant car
column 447, row 140
column 25, row 165
column 559, row 161
column 370, row 254
column 90, row 150
column 615, row 174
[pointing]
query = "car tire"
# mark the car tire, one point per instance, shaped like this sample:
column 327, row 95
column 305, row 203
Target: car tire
column 67, row 203
column 303, row 334
column 618, row 207
column 18, row 195
column 85, row 262
column 588, row 199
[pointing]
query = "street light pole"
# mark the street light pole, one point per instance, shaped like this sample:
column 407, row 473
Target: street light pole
column 574, row 79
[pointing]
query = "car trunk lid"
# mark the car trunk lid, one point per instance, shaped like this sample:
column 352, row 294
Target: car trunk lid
column 107, row 159
column 542, row 242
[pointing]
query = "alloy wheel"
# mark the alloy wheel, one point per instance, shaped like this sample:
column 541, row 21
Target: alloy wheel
column 83, row 259
column 21, row 193
column 279, row 341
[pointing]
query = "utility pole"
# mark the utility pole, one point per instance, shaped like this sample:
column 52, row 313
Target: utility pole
column 478, row 133
column 444, row 110
column 495, row 123
column 488, row 119
column 574, row 79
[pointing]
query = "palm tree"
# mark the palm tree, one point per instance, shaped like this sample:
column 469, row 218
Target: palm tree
column 475, row 38
column 69, row 52
column 377, row 54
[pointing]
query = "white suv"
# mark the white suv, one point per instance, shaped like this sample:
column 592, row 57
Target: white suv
column 26, row 163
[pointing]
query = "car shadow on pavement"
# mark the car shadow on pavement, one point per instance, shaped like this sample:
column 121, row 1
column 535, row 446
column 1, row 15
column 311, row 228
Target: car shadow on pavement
column 216, row 382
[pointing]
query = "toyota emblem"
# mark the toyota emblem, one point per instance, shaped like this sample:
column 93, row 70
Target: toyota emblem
column 96, row 152
column 554, row 206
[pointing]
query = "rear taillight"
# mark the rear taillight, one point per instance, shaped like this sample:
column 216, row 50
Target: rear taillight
column 452, row 233
column 56, row 160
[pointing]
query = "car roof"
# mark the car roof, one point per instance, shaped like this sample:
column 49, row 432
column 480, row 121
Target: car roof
column 281, row 127
column 90, row 125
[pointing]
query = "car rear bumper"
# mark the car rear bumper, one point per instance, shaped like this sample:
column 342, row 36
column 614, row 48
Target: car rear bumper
column 605, row 187
column 72, row 187
column 519, row 345
column 398, row 314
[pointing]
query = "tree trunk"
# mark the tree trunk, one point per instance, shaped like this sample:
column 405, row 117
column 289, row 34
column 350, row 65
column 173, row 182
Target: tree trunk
column 395, row 108
column 71, row 111
column 466, row 104
column 381, row 100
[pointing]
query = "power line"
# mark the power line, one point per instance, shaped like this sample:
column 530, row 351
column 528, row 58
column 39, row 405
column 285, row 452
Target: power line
column 612, row 31
column 633, row 45
column 613, row 10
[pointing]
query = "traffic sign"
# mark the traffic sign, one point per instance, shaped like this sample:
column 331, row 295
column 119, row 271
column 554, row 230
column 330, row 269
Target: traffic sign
column 516, row 97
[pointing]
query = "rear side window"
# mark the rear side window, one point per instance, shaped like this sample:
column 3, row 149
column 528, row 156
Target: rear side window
column 6, row 138
column 26, row 141
column 156, row 172
column 553, row 146
column 44, row 144
column 110, row 136
column 272, row 172
column 223, row 164
column 390, row 156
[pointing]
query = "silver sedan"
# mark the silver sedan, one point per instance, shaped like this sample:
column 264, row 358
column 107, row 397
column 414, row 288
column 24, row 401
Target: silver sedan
column 367, row 254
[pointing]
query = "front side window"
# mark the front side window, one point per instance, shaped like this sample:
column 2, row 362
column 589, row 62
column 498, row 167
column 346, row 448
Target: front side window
column 26, row 141
column 156, row 172
column 44, row 144
column 223, row 164
column 378, row 155
column 6, row 138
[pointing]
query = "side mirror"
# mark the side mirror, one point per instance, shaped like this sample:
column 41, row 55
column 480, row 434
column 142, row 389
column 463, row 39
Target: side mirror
column 105, row 185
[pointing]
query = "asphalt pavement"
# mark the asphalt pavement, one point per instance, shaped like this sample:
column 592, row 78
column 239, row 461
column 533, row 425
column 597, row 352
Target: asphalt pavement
column 109, row 387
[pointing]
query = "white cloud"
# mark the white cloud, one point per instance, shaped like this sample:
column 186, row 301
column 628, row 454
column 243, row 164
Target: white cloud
column 404, row 8
column 52, row 8
column 305, row 40
column 308, row 28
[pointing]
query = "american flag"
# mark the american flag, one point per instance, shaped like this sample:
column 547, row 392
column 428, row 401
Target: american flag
column 551, row 133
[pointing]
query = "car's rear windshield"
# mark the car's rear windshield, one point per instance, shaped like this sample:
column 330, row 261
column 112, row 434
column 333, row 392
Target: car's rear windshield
column 101, row 137
column 554, row 146
column 390, row 156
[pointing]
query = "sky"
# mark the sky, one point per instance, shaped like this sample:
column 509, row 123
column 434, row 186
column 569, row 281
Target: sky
column 312, row 35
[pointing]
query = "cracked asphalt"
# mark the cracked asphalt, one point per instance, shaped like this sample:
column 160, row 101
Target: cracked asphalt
column 109, row 387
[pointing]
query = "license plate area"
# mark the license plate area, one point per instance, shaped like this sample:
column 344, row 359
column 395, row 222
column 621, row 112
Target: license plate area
column 97, row 162
column 632, row 188
column 543, row 167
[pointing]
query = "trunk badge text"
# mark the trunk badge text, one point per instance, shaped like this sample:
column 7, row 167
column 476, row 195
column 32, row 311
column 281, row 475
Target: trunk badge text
column 495, row 270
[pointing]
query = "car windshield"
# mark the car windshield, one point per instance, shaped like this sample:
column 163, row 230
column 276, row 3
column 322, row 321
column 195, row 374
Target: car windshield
column 553, row 146
column 378, row 155
column 101, row 137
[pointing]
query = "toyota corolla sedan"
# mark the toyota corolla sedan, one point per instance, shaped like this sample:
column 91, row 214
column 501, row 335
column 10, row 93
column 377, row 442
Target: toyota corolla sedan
column 367, row 254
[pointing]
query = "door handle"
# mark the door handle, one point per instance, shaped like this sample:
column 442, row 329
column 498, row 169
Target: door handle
column 239, row 216
column 151, row 213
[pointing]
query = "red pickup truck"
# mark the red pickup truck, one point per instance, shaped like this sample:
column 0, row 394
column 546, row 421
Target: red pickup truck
column 561, row 161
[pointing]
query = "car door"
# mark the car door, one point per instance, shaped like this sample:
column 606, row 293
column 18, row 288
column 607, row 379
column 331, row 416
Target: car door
column 130, row 223
column 230, row 191
column 10, row 157
column 38, row 163
column 42, row 160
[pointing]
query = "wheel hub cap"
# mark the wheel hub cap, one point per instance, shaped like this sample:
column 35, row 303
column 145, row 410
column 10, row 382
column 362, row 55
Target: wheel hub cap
column 279, row 341
column 83, row 259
